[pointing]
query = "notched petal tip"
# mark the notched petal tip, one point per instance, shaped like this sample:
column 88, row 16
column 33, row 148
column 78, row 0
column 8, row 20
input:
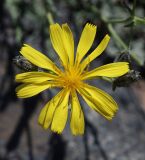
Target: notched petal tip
column 42, row 125
column 90, row 25
column 107, row 36
column 16, row 78
column 25, row 46
column 107, row 39
column 110, row 118
column 56, row 131
column 65, row 25
column 54, row 26
column 77, row 134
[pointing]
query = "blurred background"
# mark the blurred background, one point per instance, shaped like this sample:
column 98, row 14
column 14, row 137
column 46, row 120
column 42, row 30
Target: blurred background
column 27, row 21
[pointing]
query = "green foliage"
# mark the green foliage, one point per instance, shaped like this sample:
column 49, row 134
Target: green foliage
column 123, row 20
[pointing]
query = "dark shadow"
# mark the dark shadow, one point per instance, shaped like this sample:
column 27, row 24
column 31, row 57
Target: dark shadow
column 86, row 146
column 57, row 148
column 94, row 132
column 29, row 106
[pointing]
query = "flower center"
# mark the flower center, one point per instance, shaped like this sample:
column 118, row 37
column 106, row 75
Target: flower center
column 70, row 79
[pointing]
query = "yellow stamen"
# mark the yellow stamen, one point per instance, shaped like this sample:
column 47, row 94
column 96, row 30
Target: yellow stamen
column 70, row 79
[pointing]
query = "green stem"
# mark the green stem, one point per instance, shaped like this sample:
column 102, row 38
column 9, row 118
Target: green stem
column 117, row 38
column 120, row 42
column 133, row 9
column 117, row 20
column 133, row 55
column 107, row 79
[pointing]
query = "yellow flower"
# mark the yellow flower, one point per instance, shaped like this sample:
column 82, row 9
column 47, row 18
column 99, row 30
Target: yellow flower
column 71, row 79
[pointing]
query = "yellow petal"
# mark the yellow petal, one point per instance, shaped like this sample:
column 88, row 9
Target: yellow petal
column 100, row 48
column 60, row 114
column 37, row 58
column 77, row 117
column 47, row 112
column 109, row 70
column 99, row 101
column 29, row 90
column 34, row 77
column 86, row 41
column 56, row 36
column 68, row 42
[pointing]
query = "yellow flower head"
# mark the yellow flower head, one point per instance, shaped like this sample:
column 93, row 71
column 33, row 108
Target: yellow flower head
column 71, row 79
